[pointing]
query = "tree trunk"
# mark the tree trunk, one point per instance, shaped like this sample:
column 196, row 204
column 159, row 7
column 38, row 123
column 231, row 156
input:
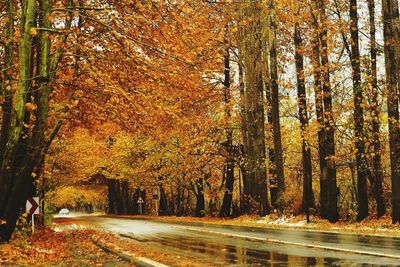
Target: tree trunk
column 112, row 209
column 15, row 186
column 119, row 197
column 200, row 200
column 125, row 196
column 180, row 201
column 376, row 174
column 244, row 146
column 6, row 83
column 328, row 191
column 162, row 210
column 361, row 161
column 271, row 171
column 390, row 32
column 230, row 163
column 308, row 195
column 255, row 188
column 171, row 203
column 319, row 107
column 279, row 201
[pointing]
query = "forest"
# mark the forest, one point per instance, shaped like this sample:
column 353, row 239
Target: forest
column 224, row 107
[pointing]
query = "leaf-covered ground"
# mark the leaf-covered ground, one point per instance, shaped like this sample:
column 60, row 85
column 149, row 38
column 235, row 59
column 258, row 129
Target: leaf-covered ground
column 50, row 248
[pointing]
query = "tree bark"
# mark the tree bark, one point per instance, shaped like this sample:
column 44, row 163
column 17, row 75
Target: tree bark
column 279, row 201
column 328, row 195
column 230, row 163
column 163, row 208
column 319, row 107
column 6, row 83
column 376, row 174
column 255, row 188
column 244, row 146
column 112, row 209
column 391, row 42
column 200, row 200
column 359, row 144
column 180, row 201
column 308, row 195
column 15, row 185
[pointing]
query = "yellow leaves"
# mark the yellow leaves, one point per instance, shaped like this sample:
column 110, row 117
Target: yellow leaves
column 173, row 73
column 30, row 106
column 77, row 196
column 33, row 31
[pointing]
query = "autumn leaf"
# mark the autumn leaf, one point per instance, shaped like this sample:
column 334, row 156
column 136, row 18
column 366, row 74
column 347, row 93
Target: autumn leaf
column 33, row 31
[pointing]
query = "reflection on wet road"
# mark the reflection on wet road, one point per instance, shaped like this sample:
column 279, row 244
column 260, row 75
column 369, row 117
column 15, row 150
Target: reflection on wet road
column 231, row 251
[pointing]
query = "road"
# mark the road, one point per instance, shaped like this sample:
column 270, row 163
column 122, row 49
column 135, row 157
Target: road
column 255, row 246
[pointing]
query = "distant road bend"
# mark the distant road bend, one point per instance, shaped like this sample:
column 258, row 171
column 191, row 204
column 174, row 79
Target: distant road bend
column 256, row 246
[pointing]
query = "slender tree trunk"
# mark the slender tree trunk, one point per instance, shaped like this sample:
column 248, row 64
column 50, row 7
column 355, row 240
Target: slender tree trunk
column 273, row 180
column 200, row 200
column 112, row 209
column 361, row 161
column 244, row 145
column 6, row 83
column 376, row 175
column 390, row 27
column 319, row 107
column 171, row 203
column 230, row 163
column 125, row 193
column 308, row 195
column 276, row 126
column 6, row 87
column 180, row 201
column 328, row 195
column 162, row 210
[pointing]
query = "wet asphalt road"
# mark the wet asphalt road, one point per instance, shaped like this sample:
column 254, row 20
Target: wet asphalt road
column 202, row 242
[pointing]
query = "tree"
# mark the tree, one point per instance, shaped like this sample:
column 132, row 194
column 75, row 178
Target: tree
column 308, row 195
column 255, row 186
column 14, row 181
column 391, row 46
column 328, row 190
column 361, row 161
column 278, row 200
column 230, row 163
column 376, row 174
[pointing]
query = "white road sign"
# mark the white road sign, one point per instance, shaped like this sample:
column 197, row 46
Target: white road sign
column 32, row 205
column 140, row 201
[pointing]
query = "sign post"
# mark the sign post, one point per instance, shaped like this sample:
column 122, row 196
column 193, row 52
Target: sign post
column 32, row 206
column 140, row 202
column 155, row 198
